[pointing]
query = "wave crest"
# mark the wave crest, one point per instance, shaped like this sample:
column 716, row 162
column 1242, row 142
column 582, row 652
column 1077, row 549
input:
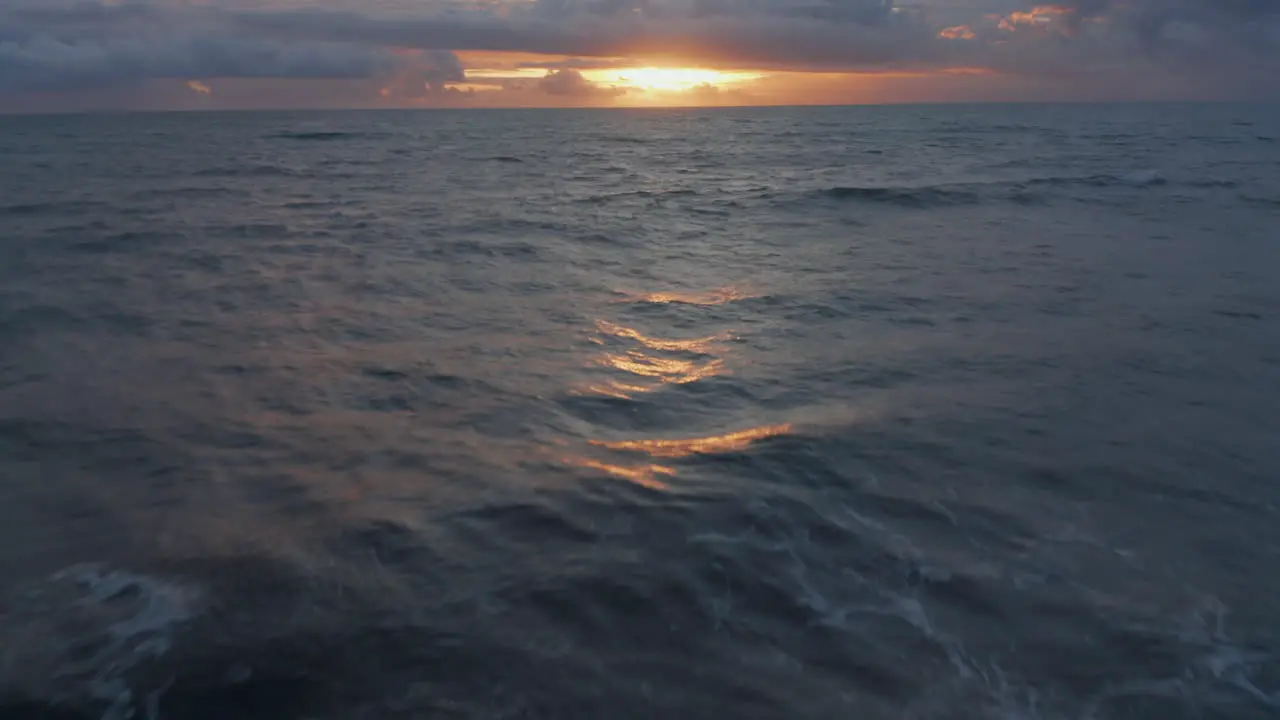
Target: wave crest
column 918, row 197
column 75, row 639
column 1021, row 192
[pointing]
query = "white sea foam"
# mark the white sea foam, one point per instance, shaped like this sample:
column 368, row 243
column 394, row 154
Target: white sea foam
column 77, row 637
column 143, row 630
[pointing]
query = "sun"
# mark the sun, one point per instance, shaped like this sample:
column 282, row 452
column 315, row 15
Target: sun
column 667, row 79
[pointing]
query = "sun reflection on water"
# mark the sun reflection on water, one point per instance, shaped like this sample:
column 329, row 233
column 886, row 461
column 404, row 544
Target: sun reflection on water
column 685, row 447
column 645, row 475
column 667, row 370
column 615, row 389
column 702, row 345
column 718, row 296
column 656, row 363
column 642, row 363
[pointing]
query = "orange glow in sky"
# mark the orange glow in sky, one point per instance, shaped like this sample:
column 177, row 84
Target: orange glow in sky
column 521, row 79
column 495, row 78
column 668, row 79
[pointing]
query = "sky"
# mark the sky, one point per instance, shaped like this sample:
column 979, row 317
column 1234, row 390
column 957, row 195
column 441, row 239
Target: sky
column 78, row 55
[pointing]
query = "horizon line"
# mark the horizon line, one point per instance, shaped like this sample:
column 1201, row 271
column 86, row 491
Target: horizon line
column 4, row 113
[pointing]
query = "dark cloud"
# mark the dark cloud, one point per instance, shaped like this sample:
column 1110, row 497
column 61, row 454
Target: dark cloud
column 870, row 12
column 87, row 45
column 1096, row 35
column 1224, row 24
column 440, row 67
column 1235, row 41
column 424, row 75
column 762, row 40
column 570, row 83
column 53, row 63
column 578, row 64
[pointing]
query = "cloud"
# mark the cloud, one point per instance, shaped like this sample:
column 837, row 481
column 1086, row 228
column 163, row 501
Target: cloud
column 1086, row 35
column 1223, row 46
column 199, row 87
column 870, row 12
column 442, row 67
column 577, row 64
column 957, row 32
column 570, row 83
column 1231, row 42
column 756, row 39
column 422, row 74
column 1038, row 17
column 69, row 47
column 709, row 94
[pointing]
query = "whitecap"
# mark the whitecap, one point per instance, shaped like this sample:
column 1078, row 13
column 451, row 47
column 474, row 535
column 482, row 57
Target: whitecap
column 79, row 636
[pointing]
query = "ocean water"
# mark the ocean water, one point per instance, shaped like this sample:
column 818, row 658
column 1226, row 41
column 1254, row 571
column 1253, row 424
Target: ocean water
column 903, row 413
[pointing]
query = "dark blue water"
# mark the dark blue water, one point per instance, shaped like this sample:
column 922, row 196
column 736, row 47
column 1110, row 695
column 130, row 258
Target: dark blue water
column 952, row 412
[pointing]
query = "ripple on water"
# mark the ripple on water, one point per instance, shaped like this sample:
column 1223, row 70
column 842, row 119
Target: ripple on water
column 368, row 420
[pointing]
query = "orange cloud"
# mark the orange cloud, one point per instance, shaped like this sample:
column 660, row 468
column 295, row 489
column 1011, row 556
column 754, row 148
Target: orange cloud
column 959, row 32
column 1037, row 17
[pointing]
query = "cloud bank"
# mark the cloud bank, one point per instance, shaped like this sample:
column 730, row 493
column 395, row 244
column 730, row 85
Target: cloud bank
column 571, row 83
column 1198, row 47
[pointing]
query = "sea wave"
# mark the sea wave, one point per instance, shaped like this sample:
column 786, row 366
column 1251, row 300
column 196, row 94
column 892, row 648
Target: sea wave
column 1018, row 191
column 1133, row 178
column 78, row 639
column 917, row 197
column 58, row 207
column 799, row 433
column 320, row 136
column 242, row 171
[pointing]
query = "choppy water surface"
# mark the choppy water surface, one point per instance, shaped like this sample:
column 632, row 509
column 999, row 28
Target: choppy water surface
column 827, row 413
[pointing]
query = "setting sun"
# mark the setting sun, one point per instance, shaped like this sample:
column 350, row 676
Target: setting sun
column 667, row 79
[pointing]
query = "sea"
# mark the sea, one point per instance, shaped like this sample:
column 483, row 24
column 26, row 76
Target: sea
column 863, row 413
